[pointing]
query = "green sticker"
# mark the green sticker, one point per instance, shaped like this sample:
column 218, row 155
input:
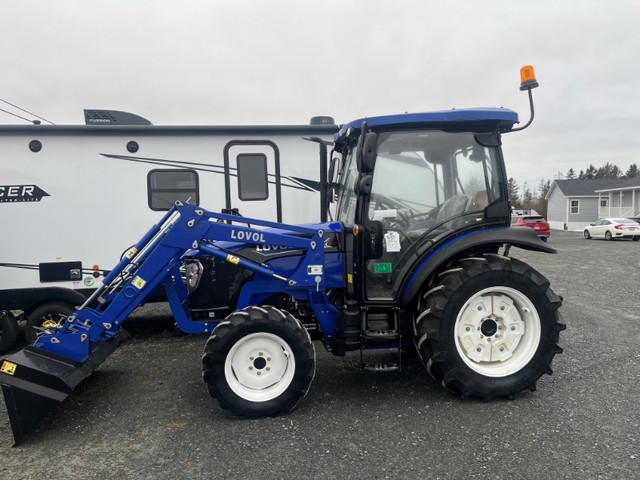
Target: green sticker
column 382, row 267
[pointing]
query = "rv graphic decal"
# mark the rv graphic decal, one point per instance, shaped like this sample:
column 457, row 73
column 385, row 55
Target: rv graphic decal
column 21, row 193
column 286, row 181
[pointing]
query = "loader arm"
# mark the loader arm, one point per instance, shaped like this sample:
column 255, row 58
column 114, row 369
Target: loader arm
column 39, row 377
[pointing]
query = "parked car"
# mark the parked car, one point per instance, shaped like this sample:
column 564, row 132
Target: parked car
column 610, row 228
column 537, row 222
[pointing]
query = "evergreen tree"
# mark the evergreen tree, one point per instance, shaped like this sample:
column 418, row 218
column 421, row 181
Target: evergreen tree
column 590, row 173
column 608, row 170
column 539, row 202
column 632, row 171
column 527, row 199
column 514, row 198
column 571, row 174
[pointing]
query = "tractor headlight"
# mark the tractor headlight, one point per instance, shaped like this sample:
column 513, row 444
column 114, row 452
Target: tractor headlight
column 191, row 274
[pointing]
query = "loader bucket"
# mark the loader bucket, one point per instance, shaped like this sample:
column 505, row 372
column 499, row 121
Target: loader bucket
column 35, row 381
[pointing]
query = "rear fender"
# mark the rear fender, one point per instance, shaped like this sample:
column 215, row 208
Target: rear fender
column 479, row 240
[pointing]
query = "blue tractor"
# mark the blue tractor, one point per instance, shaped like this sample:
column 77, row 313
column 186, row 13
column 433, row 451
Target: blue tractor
column 415, row 256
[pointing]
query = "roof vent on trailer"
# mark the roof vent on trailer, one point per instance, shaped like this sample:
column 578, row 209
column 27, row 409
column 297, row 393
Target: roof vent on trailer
column 322, row 121
column 113, row 117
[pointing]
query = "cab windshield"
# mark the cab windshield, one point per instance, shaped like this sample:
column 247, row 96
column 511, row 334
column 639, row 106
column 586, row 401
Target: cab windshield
column 423, row 178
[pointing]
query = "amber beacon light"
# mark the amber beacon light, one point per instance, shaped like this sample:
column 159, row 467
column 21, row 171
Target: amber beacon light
column 527, row 82
column 527, row 78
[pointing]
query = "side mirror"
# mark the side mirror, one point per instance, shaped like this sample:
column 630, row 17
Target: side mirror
column 369, row 153
column 331, row 187
column 332, row 169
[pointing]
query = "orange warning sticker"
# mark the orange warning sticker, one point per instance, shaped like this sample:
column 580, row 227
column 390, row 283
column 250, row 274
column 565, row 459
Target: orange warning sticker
column 8, row 368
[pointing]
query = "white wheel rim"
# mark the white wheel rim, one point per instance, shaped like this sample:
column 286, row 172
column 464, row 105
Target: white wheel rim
column 497, row 331
column 259, row 367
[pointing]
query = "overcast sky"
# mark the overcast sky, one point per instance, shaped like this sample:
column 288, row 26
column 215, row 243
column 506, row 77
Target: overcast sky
column 209, row 62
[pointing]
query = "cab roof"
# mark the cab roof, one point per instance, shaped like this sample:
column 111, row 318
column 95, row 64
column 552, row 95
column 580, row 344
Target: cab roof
column 501, row 118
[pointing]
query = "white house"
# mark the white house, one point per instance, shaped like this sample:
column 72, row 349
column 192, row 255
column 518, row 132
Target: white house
column 574, row 204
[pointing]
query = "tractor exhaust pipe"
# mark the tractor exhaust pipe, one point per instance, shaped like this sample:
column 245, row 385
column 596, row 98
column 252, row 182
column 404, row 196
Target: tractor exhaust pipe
column 35, row 381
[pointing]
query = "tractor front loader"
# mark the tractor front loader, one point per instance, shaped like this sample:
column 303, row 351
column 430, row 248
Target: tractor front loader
column 39, row 377
column 418, row 256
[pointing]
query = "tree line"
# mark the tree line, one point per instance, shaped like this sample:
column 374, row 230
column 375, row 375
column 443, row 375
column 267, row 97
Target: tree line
column 533, row 197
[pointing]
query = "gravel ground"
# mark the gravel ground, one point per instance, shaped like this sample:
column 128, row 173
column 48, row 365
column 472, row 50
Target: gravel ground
column 145, row 414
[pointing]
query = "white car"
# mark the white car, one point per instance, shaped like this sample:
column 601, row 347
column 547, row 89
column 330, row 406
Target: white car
column 609, row 228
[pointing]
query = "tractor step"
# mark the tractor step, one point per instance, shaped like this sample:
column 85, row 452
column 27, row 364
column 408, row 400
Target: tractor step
column 381, row 367
column 35, row 381
column 381, row 335
column 380, row 328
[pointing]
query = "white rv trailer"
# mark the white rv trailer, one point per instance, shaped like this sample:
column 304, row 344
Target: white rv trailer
column 72, row 197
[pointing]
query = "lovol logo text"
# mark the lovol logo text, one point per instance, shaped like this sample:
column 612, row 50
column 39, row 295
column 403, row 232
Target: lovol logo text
column 21, row 193
column 256, row 237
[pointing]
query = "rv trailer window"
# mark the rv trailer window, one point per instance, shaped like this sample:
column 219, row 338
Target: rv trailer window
column 164, row 187
column 252, row 177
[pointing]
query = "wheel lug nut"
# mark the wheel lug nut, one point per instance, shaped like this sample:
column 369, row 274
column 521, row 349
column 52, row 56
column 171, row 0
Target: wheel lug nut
column 260, row 353
column 268, row 368
column 259, row 372
column 251, row 358
column 268, row 359
column 250, row 368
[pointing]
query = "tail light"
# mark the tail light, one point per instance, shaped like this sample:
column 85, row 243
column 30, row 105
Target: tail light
column 618, row 227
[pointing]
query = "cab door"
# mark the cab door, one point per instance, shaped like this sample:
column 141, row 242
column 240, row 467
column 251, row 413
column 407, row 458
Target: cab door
column 252, row 179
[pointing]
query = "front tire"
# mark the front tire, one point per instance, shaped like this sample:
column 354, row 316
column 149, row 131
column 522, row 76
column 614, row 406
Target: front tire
column 489, row 327
column 587, row 235
column 259, row 362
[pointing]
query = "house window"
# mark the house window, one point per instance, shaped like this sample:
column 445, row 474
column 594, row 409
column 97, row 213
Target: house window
column 164, row 187
column 575, row 206
column 252, row 177
column 603, row 203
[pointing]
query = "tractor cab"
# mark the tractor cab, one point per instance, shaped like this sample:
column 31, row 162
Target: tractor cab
column 408, row 184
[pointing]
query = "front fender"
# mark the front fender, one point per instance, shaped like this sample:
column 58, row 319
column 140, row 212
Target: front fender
column 521, row 237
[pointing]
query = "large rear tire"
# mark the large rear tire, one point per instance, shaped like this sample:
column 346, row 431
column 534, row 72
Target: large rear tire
column 259, row 362
column 488, row 327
